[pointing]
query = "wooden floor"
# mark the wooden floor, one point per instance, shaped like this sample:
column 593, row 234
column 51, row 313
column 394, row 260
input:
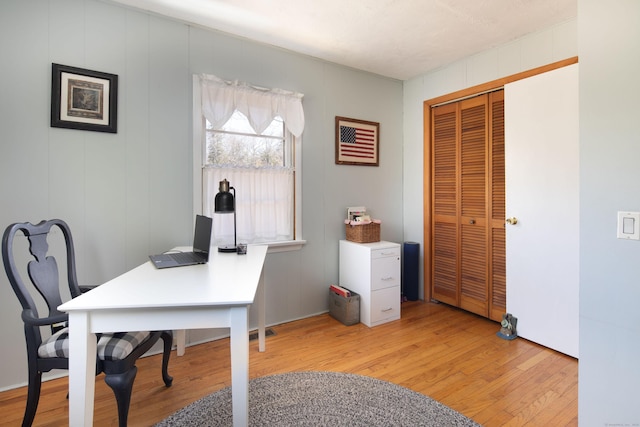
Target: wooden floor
column 447, row 354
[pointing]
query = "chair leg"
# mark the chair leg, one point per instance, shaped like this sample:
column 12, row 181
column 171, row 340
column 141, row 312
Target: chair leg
column 33, row 396
column 122, row 386
column 167, row 339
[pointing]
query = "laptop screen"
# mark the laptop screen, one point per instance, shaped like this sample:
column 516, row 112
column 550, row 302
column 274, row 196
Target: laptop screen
column 202, row 234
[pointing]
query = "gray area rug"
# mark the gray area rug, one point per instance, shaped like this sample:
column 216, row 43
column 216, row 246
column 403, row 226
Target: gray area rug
column 321, row 399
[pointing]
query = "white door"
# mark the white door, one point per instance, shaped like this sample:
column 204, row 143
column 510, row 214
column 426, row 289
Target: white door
column 542, row 193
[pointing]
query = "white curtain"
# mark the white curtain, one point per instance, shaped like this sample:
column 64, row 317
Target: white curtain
column 264, row 197
column 264, row 207
column 221, row 98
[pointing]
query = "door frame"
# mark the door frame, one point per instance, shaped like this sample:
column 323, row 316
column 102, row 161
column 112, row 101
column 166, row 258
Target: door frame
column 427, row 161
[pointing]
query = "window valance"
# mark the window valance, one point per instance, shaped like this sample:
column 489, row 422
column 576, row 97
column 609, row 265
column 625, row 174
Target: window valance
column 220, row 98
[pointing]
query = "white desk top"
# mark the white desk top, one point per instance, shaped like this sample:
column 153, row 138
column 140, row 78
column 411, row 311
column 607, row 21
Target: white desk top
column 227, row 279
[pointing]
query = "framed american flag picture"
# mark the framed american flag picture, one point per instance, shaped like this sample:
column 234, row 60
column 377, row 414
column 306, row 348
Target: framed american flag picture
column 357, row 142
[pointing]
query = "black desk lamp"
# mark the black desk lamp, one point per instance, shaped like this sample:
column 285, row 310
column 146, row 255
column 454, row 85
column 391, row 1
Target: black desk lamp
column 225, row 202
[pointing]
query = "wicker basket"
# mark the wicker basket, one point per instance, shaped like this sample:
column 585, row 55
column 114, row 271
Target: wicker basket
column 366, row 233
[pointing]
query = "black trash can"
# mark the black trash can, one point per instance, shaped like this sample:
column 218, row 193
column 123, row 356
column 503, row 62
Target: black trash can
column 410, row 270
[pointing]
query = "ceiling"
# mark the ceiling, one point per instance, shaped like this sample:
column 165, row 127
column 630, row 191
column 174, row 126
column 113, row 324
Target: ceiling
column 400, row 39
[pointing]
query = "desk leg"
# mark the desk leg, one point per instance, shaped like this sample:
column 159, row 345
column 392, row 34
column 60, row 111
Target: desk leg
column 260, row 300
column 82, row 370
column 239, row 325
column 181, row 338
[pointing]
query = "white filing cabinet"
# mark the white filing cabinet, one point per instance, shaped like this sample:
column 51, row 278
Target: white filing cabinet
column 372, row 270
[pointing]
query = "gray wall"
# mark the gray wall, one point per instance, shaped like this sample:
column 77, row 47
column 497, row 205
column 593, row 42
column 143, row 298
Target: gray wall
column 130, row 194
column 102, row 183
column 609, row 34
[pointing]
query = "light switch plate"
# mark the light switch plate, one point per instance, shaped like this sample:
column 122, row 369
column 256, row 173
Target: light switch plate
column 629, row 225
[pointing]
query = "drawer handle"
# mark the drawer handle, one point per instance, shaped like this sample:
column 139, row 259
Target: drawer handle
column 387, row 253
column 387, row 278
column 387, row 309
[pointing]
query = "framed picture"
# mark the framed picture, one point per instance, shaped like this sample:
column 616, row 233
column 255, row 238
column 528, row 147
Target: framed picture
column 357, row 142
column 83, row 99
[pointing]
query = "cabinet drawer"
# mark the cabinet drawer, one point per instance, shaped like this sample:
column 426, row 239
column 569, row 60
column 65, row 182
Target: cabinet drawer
column 386, row 252
column 385, row 305
column 385, row 273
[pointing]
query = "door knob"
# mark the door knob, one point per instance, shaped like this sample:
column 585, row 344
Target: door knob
column 512, row 221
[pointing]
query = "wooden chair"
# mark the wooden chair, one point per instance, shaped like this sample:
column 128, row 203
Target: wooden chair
column 47, row 335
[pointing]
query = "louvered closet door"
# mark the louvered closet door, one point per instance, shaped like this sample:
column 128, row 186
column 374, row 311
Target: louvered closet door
column 497, row 213
column 473, row 205
column 445, row 204
column 468, row 205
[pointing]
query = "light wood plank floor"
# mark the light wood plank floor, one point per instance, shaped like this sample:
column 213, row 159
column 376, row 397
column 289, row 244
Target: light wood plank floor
column 445, row 353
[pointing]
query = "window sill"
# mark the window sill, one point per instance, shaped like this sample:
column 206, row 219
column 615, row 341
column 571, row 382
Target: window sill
column 285, row 246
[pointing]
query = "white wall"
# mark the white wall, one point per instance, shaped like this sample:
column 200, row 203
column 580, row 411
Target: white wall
column 537, row 49
column 130, row 194
column 609, row 372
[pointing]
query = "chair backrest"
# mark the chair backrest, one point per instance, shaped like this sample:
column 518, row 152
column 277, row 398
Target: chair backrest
column 42, row 272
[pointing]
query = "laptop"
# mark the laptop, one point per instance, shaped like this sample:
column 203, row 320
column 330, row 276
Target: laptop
column 200, row 254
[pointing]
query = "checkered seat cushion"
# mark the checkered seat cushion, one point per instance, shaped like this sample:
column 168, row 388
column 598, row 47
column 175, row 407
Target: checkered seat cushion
column 114, row 346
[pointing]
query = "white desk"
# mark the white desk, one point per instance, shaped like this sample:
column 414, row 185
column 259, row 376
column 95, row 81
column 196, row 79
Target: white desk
column 214, row 295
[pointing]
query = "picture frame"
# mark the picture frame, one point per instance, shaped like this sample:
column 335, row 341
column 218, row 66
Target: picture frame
column 83, row 99
column 357, row 142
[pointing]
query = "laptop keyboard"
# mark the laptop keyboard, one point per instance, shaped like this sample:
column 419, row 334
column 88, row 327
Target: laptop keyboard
column 183, row 256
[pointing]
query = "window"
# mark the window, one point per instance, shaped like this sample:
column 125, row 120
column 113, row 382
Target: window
column 236, row 145
column 261, row 170
column 241, row 134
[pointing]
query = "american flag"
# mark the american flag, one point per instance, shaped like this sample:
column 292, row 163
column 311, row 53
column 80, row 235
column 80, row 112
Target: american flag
column 357, row 142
